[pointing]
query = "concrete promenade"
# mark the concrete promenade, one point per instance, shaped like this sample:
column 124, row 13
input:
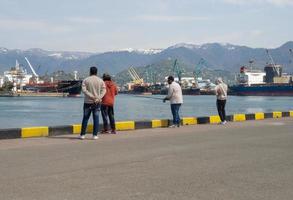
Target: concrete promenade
column 238, row 161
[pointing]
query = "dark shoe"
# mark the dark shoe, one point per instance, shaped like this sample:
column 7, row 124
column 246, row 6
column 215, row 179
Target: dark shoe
column 104, row 131
column 113, row 132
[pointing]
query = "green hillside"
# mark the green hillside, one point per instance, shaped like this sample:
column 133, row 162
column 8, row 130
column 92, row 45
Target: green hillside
column 158, row 71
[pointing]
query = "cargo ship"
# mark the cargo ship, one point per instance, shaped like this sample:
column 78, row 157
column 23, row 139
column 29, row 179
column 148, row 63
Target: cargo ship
column 72, row 87
column 23, row 81
column 270, row 82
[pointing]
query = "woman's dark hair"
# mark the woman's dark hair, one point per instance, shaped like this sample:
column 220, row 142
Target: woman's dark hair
column 106, row 77
column 93, row 70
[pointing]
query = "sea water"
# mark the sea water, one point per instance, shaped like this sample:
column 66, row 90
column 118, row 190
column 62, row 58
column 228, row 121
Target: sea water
column 17, row 112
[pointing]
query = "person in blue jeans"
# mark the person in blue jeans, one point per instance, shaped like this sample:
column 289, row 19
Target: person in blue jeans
column 175, row 113
column 94, row 89
column 176, row 99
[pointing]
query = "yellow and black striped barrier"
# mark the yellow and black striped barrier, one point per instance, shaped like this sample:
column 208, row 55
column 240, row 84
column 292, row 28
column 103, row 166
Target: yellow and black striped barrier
column 45, row 131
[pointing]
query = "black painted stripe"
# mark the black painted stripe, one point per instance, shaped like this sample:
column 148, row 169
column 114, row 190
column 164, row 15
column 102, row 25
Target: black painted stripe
column 60, row 130
column 10, row 133
column 230, row 118
column 142, row 124
column 285, row 114
column 203, row 120
column 268, row 115
column 250, row 116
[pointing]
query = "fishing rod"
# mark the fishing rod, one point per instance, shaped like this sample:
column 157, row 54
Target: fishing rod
column 148, row 97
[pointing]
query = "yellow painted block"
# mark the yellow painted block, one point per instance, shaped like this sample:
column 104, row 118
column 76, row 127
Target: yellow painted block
column 239, row 117
column 77, row 128
column 259, row 116
column 215, row 119
column 277, row 114
column 159, row 123
column 127, row 125
column 291, row 113
column 34, row 132
column 189, row 120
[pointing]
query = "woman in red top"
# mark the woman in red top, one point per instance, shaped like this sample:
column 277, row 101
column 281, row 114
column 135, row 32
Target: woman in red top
column 107, row 108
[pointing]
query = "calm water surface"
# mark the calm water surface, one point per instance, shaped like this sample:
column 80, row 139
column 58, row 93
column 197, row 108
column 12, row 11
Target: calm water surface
column 16, row 112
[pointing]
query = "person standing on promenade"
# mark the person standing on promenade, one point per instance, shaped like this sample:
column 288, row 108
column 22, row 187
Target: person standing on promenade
column 94, row 89
column 176, row 99
column 107, row 107
column 221, row 93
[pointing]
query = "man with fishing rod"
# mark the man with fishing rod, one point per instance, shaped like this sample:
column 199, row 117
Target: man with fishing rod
column 176, row 99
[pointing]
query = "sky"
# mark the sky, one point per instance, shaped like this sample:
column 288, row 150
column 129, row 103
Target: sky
column 107, row 25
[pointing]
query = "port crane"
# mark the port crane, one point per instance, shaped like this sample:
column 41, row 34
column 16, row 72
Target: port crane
column 135, row 77
column 34, row 72
column 273, row 63
column 178, row 70
column 198, row 68
column 150, row 75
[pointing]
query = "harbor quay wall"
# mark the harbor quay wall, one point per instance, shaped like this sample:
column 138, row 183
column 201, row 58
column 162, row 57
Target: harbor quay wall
column 50, row 131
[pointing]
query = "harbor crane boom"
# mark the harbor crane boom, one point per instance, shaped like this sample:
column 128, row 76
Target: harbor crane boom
column 272, row 62
column 134, row 73
column 199, row 67
column 178, row 71
column 35, row 74
column 135, row 77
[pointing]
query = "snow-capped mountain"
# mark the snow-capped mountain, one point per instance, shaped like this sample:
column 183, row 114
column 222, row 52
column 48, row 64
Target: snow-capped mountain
column 218, row 56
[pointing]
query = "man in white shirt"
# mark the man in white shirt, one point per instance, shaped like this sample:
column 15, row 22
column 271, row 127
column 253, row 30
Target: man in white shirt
column 176, row 99
column 221, row 93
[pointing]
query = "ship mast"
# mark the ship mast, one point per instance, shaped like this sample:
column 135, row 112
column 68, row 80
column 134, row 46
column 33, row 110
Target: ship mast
column 290, row 50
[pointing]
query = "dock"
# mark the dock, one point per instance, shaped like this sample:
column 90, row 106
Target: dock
column 34, row 94
column 240, row 160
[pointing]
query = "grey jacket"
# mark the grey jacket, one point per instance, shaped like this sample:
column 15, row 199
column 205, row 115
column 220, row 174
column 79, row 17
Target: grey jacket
column 94, row 89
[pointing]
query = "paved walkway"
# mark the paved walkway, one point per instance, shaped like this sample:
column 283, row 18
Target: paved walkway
column 238, row 161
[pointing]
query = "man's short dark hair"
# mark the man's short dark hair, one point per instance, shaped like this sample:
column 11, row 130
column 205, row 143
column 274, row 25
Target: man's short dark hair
column 93, row 70
column 106, row 77
column 170, row 78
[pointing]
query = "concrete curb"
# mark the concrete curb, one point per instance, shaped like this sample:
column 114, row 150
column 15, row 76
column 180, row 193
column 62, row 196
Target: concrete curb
column 45, row 131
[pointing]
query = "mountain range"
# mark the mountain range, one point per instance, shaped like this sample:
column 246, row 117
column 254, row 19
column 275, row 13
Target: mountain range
column 218, row 56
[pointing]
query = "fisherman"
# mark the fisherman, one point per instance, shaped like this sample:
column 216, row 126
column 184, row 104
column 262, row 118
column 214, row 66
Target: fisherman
column 94, row 89
column 107, row 108
column 221, row 93
column 176, row 99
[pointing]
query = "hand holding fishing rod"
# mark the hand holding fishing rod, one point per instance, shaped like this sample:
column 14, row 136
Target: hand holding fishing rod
column 165, row 99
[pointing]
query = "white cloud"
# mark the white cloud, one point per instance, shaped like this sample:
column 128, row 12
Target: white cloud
column 32, row 25
column 166, row 18
column 273, row 2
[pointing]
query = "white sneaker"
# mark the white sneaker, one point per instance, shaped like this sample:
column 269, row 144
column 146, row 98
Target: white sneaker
column 224, row 122
column 95, row 137
column 172, row 126
column 82, row 137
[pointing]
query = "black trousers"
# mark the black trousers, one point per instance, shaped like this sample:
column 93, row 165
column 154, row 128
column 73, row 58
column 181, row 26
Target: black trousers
column 108, row 112
column 221, row 109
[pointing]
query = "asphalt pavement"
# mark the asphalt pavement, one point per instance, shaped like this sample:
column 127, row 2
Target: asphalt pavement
column 237, row 161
